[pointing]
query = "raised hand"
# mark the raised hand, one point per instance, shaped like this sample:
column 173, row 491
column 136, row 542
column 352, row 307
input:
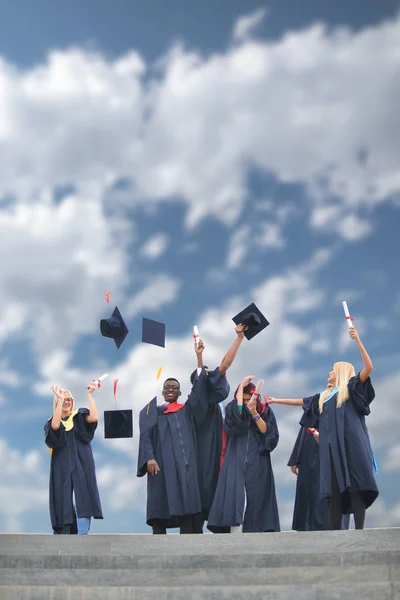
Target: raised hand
column 199, row 347
column 91, row 387
column 152, row 467
column 354, row 334
column 252, row 407
column 247, row 380
column 240, row 329
column 57, row 392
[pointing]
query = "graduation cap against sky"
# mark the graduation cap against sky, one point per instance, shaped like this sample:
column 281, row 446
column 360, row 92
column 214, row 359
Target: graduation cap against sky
column 253, row 318
column 118, row 424
column 153, row 332
column 148, row 416
column 114, row 327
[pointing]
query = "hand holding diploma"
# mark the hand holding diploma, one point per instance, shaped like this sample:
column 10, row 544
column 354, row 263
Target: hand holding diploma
column 349, row 319
column 96, row 383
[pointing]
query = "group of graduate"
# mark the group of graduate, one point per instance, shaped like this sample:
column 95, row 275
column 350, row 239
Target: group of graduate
column 209, row 463
column 206, row 461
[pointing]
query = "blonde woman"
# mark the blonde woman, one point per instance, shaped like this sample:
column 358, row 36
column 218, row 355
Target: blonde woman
column 347, row 477
column 74, row 497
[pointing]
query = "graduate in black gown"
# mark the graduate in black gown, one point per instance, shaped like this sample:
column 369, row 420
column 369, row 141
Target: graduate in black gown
column 347, row 477
column 168, row 456
column 310, row 513
column 73, row 494
column 209, row 431
column 245, row 493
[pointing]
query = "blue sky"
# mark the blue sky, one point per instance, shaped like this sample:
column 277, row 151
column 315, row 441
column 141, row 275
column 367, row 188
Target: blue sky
column 193, row 161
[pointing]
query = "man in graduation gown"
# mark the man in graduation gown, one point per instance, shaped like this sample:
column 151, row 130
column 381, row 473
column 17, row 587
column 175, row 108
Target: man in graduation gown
column 168, row 455
column 209, row 432
column 310, row 512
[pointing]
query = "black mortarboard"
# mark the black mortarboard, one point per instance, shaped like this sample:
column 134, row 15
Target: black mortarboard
column 153, row 332
column 114, row 327
column 253, row 318
column 118, row 424
column 148, row 416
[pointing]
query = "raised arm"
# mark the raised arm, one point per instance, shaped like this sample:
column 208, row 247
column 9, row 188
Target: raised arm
column 239, row 393
column 56, row 420
column 231, row 354
column 286, row 401
column 93, row 415
column 368, row 366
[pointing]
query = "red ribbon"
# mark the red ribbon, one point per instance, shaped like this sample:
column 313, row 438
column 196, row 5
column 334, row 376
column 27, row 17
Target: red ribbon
column 107, row 296
column 115, row 387
column 350, row 318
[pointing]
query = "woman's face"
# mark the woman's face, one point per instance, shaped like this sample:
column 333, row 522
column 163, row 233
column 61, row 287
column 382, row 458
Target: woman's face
column 67, row 404
column 246, row 398
column 332, row 377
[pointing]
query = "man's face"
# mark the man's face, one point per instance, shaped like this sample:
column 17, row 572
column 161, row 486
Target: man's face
column 171, row 391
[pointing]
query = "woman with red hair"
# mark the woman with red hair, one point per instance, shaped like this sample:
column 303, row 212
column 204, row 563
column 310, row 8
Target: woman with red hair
column 347, row 477
column 245, row 494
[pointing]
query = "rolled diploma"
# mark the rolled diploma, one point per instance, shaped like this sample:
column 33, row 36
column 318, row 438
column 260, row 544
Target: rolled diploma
column 196, row 334
column 347, row 314
column 258, row 388
column 99, row 380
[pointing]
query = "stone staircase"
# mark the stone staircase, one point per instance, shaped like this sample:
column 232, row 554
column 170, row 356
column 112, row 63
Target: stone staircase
column 324, row 565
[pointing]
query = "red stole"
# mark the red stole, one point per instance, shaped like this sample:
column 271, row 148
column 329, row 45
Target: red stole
column 172, row 408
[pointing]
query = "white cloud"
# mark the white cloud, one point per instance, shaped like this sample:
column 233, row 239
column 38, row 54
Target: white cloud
column 57, row 262
column 23, row 487
column 270, row 236
column 246, row 25
column 392, row 459
column 300, row 107
column 162, row 289
column 155, row 246
column 238, row 246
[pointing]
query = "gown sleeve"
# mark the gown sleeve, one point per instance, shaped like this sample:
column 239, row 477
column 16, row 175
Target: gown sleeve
column 295, row 456
column 269, row 440
column 197, row 401
column 218, row 387
column 361, row 394
column 235, row 422
column 310, row 416
column 84, row 431
column 54, row 439
column 146, row 450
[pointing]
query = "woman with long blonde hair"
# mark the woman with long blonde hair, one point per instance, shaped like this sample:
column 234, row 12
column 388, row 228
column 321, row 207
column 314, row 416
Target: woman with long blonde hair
column 347, row 477
column 73, row 494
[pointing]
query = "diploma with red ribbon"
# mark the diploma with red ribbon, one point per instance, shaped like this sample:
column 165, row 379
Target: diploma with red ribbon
column 349, row 319
column 196, row 335
column 99, row 380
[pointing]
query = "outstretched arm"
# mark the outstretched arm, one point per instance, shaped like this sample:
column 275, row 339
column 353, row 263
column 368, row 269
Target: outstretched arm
column 286, row 401
column 368, row 366
column 230, row 355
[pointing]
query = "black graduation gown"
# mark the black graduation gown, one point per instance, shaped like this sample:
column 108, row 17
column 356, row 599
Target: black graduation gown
column 174, row 491
column 247, row 465
column 310, row 512
column 72, row 469
column 343, row 435
column 209, row 438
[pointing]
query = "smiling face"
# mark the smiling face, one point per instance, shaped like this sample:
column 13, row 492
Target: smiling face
column 67, row 405
column 171, row 390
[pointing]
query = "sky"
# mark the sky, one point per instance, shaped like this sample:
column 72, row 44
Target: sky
column 193, row 159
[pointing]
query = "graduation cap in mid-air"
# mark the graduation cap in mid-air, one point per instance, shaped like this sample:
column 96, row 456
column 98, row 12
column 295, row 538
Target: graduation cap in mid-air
column 118, row 424
column 253, row 318
column 148, row 416
column 153, row 332
column 114, row 327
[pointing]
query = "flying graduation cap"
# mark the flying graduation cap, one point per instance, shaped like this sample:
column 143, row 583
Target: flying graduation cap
column 114, row 327
column 153, row 332
column 118, row 424
column 253, row 318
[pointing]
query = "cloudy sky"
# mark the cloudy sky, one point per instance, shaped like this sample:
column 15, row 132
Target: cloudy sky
column 193, row 159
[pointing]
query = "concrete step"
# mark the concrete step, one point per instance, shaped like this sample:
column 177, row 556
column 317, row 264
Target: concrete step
column 357, row 591
column 313, row 565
